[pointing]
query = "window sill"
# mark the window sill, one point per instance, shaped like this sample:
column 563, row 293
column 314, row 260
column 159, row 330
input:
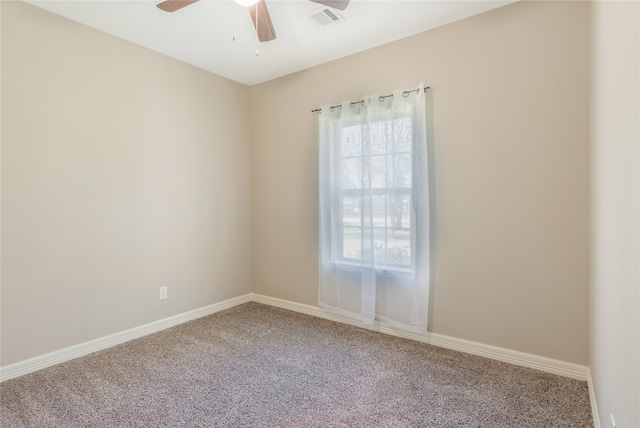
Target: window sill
column 383, row 270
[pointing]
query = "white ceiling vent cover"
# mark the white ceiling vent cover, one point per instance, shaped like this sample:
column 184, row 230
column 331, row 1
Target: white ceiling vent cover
column 322, row 17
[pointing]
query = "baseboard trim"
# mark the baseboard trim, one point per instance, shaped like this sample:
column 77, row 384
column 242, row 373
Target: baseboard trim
column 594, row 405
column 548, row 365
column 493, row 352
column 523, row 359
column 56, row 357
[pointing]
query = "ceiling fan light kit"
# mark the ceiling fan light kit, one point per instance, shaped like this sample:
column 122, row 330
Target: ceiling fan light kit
column 258, row 11
column 246, row 2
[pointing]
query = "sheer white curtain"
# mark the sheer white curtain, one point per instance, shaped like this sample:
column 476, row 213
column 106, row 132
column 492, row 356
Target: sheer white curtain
column 374, row 210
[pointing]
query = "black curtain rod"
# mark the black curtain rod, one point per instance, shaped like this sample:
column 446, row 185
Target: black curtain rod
column 380, row 98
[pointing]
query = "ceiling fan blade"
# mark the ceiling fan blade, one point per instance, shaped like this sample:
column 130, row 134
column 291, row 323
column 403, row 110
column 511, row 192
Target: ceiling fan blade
column 336, row 4
column 264, row 26
column 173, row 5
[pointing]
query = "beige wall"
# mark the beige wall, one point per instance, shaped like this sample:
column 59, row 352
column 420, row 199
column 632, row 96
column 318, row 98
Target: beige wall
column 614, row 354
column 122, row 171
column 510, row 165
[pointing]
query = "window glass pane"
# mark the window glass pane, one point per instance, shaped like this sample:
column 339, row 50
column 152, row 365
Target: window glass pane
column 351, row 243
column 378, row 172
column 392, row 247
column 378, row 144
column 379, row 138
column 400, row 171
column 352, row 141
column 399, row 247
column 379, row 208
column 351, row 211
column 377, row 223
column 402, row 135
column 380, row 245
column 351, row 173
column 398, row 211
column 406, row 213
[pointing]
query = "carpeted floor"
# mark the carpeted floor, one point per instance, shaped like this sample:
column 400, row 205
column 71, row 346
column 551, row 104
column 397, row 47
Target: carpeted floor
column 258, row 366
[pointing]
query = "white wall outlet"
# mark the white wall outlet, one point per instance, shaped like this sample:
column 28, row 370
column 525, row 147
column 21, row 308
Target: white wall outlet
column 163, row 293
column 613, row 421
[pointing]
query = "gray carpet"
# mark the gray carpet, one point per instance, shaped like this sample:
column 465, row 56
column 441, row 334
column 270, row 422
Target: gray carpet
column 254, row 365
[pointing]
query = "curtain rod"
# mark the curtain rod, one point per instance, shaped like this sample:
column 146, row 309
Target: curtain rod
column 380, row 98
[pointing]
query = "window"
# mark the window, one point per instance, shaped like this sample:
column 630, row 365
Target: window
column 374, row 210
column 385, row 161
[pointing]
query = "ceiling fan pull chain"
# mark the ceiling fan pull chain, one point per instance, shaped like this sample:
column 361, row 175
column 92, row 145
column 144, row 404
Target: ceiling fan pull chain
column 233, row 20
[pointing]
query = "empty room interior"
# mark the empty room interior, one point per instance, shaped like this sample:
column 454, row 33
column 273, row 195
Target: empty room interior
column 163, row 219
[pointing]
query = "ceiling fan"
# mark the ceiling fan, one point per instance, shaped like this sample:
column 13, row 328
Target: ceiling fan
column 258, row 11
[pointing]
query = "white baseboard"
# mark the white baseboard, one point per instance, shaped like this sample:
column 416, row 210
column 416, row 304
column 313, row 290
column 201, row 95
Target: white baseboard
column 56, row 357
column 523, row 359
column 501, row 354
column 594, row 405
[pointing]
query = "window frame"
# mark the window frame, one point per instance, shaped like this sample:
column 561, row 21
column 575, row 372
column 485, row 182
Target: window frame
column 345, row 264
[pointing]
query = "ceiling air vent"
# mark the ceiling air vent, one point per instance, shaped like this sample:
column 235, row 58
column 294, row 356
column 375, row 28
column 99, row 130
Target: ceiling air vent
column 322, row 17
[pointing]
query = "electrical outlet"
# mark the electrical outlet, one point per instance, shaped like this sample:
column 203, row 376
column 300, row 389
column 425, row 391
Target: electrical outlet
column 163, row 293
column 613, row 421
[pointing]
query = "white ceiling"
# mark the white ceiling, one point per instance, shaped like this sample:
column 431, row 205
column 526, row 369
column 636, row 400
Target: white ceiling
column 202, row 34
